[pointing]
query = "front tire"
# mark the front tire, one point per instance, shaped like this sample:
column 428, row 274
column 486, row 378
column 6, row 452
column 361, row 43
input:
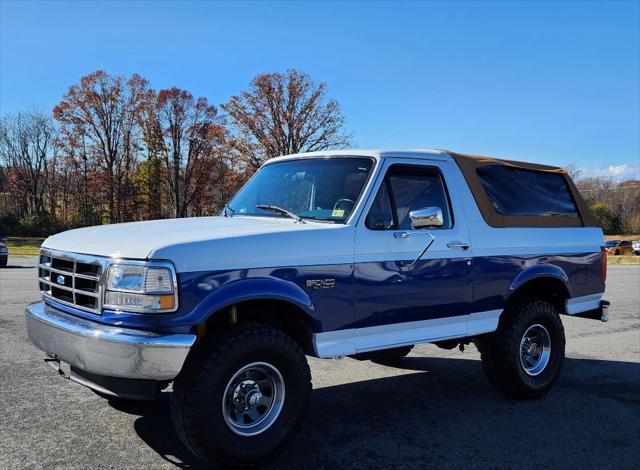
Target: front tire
column 524, row 357
column 242, row 397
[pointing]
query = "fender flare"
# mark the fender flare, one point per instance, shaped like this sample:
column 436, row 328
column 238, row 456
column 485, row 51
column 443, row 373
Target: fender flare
column 540, row 271
column 256, row 289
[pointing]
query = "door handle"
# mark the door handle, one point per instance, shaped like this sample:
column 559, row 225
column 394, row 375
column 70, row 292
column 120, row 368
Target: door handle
column 460, row 245
column 401, row 235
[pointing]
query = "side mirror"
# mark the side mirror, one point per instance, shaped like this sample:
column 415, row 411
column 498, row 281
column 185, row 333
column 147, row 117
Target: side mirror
column 426, row 217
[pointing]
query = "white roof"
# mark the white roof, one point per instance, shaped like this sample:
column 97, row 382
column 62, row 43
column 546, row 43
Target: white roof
column 375, row 153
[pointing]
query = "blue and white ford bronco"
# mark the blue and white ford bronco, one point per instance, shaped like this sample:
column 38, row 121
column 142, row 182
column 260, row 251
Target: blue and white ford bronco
column 329, row 254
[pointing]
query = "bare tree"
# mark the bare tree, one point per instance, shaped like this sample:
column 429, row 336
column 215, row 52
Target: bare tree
column 27, row 148
column 618, row 200
column 285, row 113
column 191, row 130
column 597, row 189
column 574, row 171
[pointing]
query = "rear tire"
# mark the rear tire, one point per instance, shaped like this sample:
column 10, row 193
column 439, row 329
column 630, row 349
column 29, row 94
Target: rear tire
column 524, row 357
column 242, row 396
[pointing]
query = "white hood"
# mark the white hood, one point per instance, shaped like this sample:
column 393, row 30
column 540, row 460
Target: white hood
column 194, row 243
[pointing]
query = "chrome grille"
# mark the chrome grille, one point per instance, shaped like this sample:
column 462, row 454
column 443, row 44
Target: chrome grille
column 71, row 279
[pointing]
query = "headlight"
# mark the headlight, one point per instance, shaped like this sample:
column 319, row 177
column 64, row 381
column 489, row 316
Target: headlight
column 141, row 287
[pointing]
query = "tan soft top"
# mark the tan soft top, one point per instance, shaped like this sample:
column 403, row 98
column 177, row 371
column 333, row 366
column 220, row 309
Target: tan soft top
column 468, row 165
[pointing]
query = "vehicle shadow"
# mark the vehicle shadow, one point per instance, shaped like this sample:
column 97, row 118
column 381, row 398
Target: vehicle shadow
column 442, row 412
column 155, row 428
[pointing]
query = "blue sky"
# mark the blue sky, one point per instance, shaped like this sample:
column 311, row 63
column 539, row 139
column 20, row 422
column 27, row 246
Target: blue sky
column 549, row 82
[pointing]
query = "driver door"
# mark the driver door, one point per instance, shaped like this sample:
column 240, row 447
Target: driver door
column 402, row 297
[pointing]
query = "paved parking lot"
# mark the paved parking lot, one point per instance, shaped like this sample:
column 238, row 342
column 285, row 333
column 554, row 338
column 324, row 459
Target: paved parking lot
column 436, row 410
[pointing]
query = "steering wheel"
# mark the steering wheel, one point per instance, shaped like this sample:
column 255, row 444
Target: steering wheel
column 343, row 200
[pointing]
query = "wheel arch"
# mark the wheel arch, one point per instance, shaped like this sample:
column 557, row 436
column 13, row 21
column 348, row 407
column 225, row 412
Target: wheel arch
column 278, row 303
column 547, row 282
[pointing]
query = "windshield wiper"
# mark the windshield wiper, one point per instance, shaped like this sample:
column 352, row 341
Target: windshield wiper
column 316, row 219
column 280, row 210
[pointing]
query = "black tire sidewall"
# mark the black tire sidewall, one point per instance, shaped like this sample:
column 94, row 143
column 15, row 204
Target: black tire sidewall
column 547, row 377
column 215, row 441
column 500, row 351
column 270, row 439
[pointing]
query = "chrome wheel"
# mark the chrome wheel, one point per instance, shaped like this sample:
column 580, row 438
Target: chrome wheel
column 535, row 349
column 253, row 399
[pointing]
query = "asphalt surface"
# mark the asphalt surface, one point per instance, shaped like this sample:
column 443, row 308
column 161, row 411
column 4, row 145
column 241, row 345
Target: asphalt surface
column 436, row 410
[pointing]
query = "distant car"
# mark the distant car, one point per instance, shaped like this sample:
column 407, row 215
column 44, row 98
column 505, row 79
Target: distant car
column 619, row 247
column 4, row 255
column 636, row 247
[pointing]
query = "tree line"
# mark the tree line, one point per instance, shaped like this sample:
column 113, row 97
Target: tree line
column 615, row 204
column 115, row 150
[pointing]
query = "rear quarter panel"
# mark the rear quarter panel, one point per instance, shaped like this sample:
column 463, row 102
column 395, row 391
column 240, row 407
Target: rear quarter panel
column 506, row 258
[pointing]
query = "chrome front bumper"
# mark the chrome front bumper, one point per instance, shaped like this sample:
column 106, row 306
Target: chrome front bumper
column 106, row 350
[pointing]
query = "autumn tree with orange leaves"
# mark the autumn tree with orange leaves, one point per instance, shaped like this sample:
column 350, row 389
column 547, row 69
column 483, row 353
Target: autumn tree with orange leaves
column 119, row 151
column 285, row 113
column 101, row 110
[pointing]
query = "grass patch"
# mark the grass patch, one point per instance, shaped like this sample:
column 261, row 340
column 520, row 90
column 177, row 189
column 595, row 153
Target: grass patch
column 623, row 259
column 23, row 247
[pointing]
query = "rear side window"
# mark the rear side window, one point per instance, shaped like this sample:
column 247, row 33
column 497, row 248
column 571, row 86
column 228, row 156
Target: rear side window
column 520, row 192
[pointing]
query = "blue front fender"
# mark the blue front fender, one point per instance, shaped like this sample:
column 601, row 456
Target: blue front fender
column 250, row 289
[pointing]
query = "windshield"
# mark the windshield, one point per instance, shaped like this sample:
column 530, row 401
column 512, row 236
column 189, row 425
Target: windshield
column 324, row 189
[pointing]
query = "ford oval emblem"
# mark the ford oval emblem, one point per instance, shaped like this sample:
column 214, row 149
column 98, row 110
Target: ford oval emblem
column 60, row 280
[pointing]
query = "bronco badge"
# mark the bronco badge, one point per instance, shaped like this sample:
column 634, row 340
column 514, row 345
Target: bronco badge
column 321, row 283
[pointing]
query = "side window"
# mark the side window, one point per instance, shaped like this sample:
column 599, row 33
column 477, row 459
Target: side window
column 521, row 192
column 407, row 188
column 416, row 188
column 380, row 215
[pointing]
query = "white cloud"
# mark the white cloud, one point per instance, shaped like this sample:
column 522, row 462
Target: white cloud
column 618, row 170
